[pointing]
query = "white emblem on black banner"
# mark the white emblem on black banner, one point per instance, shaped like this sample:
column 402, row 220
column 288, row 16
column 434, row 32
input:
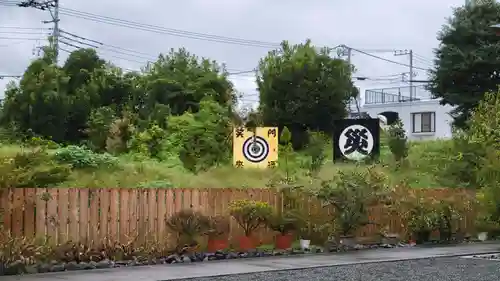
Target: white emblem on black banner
column 255, row 149
column 356, row 142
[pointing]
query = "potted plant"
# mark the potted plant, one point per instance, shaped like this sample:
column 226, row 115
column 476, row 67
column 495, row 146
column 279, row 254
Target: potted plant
column 285, row 224
column 189, row 226
column 484, row 226
column 218, row 233
column 250, row 215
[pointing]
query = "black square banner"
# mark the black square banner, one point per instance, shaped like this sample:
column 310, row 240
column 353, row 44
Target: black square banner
column 356, row 139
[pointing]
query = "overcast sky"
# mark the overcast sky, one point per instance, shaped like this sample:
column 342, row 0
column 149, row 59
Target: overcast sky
column 362, row 24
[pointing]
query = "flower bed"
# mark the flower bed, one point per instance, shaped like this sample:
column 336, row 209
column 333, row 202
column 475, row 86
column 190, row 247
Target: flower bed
column 94, row 260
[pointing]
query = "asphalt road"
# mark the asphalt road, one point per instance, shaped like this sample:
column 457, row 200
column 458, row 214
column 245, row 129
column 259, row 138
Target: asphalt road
column 432, row 269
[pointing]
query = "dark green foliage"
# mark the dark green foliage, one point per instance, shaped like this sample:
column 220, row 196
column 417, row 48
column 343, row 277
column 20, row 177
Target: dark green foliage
column 467, row 60
column 303, row 89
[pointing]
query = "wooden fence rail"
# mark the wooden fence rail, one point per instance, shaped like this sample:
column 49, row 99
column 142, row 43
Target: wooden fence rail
column 117, row 214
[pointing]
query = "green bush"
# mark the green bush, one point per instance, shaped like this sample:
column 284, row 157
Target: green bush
column 81, row 158
column 398, row 142
column 31, row 168
column 250, row 214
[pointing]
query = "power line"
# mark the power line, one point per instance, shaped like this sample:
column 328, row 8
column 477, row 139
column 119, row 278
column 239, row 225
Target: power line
column 167, row 31
column 384, row 59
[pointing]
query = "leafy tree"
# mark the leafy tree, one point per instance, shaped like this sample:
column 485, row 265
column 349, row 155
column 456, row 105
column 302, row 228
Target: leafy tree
column 181, row 80
column 467, row 62
column 304, row 89
column 39, row 104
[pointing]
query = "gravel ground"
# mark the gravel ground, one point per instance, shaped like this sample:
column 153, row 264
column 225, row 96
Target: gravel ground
column 436, row 269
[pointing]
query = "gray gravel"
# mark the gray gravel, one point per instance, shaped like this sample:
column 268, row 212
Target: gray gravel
column 436, row 269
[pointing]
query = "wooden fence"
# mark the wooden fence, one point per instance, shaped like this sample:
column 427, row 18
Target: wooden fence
column 117, row 214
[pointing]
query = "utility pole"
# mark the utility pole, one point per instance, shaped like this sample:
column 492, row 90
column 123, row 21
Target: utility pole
column 53, row 7
column 410, row 54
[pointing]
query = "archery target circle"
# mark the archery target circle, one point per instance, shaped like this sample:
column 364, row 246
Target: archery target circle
column 357, row 156
column 255, row 149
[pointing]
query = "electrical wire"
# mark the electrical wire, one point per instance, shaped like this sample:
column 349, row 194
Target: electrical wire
column 166, row 31
column 387, row 60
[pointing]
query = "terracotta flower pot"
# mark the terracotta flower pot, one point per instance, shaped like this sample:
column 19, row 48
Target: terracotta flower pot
column 283, row 242
column 218, row 244
column 246, row 243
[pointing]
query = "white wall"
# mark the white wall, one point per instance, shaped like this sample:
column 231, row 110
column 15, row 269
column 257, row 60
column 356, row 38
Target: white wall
column 405, row 109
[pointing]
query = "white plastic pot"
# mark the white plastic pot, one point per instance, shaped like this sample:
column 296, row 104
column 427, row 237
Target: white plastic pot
column 482, row 236
column 304, row 244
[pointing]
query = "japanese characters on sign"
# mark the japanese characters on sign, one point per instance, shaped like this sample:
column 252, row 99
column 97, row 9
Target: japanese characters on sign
column 256, row 148
column 356, row 139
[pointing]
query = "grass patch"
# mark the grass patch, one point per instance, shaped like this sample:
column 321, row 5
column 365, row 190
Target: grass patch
column 426, row 161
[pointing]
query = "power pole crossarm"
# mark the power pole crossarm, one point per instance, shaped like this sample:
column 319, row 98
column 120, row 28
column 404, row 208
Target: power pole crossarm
column 53, row 7
column 410, row 54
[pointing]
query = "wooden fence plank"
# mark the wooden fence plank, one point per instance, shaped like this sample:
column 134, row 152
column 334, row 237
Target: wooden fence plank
column 161, row 212
column 104, row 218
column 52, row 215
column 142, row 215
column 18, row 211
column 41, row 212
column 152, row 212
column 178, row 199
column 133, row 214
column 84, row 216
column 94, row 219
column 62, row 211
column 114, row 214
column 124, row 215
column 29, row 212
column 6, row 208
column 73, row 217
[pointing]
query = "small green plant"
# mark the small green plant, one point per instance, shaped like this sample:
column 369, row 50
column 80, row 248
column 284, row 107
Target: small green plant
column 82, row 158
column 398, row 142
column 286, row 151
column 282, row 223
column 316, row 151
column 250, row 214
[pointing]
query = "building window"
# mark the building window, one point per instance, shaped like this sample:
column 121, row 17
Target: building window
column 424, row 122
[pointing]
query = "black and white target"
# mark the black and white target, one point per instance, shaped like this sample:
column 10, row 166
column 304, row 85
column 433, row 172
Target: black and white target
column 255, row 149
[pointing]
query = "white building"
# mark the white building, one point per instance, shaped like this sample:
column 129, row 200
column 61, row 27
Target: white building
column 423, row 117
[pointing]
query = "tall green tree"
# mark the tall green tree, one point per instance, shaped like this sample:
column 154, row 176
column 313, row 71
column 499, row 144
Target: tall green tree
column 181, row 80
column 467, row 61
column 303, row 88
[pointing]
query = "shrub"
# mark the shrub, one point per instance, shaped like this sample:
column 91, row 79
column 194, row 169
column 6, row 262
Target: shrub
column 80, row 158
column 31, row 168
column 16, row 253
column 398, row 142
column 188, row 225
column 352, row 194
column 250, row 214
column 219, row 226
column 149, row 142
column 283, row 223
column 99, row 123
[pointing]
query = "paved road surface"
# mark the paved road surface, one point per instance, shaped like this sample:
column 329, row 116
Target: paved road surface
column 258, row 265
column 434, row 269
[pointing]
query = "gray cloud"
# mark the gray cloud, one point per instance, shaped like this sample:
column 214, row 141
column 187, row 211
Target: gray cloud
column 362, row 24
